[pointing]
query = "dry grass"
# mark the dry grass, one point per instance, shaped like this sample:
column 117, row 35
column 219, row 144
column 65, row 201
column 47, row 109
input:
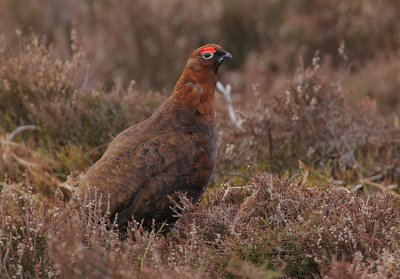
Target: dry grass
column 273, row 224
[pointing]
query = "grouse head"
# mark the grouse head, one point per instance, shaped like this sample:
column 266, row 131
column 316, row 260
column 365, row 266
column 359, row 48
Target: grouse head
column 194, row 91
column 208, row 57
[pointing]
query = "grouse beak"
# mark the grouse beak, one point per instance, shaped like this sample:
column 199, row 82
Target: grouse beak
column 223, row 55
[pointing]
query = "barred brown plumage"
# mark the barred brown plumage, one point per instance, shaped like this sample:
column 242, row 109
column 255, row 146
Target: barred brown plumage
column 171, row 153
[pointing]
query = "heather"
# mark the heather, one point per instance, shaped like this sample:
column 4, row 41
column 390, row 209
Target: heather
column 307, row 188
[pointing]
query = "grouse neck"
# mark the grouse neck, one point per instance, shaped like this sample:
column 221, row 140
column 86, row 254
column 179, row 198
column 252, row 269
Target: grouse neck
column 194, row 92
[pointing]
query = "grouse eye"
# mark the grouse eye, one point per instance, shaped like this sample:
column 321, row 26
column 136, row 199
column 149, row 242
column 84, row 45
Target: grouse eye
column 207, row 55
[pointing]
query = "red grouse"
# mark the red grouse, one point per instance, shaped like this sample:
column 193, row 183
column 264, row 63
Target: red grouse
column 171, row 153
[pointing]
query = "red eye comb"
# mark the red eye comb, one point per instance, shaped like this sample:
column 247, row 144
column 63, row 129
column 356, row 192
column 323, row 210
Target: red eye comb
column 208, row 49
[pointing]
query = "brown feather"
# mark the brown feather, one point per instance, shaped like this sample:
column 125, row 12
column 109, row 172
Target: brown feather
column 172, row 152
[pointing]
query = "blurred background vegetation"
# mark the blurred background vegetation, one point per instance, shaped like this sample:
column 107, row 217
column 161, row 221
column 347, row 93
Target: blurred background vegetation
column 316, row 85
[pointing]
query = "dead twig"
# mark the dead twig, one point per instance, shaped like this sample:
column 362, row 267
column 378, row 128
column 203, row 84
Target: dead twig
column 142, row 259
column 21, row 129
column 226, row 92
column 235, row 187
column 384, row 189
